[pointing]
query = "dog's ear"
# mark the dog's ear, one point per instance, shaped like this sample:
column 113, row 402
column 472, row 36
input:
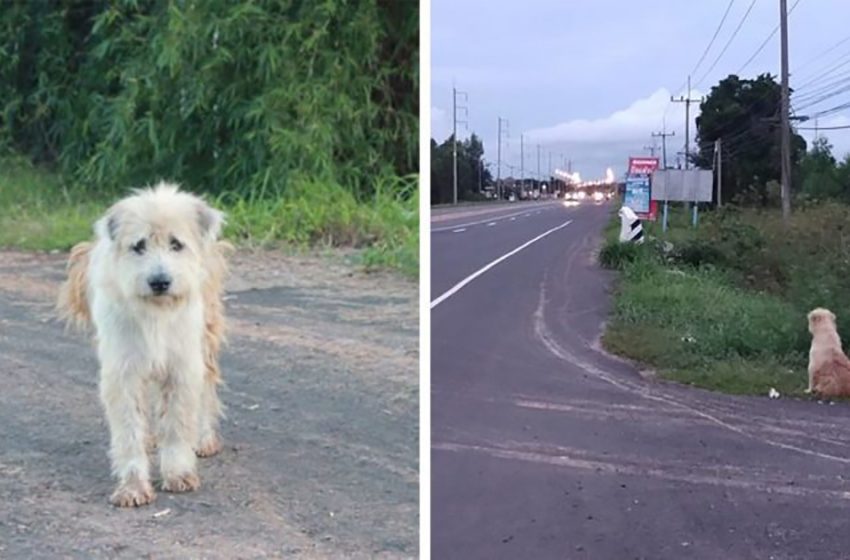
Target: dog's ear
column 210, row 221
column 107, row 226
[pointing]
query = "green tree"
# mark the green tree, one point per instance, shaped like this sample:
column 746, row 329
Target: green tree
column 745, row 114
column 472, row 171
column 820, row 172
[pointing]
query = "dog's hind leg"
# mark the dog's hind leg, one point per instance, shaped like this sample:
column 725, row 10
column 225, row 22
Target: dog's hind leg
column 122, row 395
column 179, row 424
column 209, row 442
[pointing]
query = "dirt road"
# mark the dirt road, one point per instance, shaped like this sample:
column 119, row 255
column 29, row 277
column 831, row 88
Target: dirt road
column 321, row 435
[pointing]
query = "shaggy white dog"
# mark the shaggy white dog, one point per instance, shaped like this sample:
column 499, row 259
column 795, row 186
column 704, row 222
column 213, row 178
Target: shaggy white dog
column 151, row 285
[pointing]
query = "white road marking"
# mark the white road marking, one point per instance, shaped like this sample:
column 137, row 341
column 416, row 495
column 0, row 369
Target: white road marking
column 491, row 224
column 512, row 219
column 459, row 230
column 457, row 287
column 449, row 228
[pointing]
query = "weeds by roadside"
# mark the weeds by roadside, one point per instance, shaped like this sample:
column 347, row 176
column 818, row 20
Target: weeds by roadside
column 724, row 306
column 38, row 211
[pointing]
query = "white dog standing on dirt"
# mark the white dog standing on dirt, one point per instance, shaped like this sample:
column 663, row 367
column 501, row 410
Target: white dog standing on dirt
column 151, row 284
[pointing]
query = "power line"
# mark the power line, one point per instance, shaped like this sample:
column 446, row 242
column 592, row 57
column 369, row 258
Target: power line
column 765, row 42
column 820, row 55
column 716, row 32
column 811, row 102
column 729, row 42
column 824, row 127
column 830, row 111
column 826, row 74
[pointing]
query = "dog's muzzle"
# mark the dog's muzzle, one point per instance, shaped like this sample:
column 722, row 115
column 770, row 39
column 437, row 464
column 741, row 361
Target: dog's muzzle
column 159, row 284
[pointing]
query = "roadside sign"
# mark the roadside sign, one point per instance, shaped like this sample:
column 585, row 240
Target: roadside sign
column 643, row 165
column 638, row 195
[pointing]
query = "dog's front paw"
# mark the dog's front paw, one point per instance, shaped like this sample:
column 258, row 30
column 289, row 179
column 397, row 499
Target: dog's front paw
column 808, row 391
column 133, row 493
column 182, row 483
column 208, row 446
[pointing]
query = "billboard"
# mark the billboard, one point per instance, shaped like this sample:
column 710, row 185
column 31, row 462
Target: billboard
column 683, row 185
column 638, row 195
column 642, row 165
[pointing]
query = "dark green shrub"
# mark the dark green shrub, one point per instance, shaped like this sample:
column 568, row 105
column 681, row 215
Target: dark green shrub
column 237, row 97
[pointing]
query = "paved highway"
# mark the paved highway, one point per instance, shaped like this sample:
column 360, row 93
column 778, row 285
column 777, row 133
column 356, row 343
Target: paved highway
column 545, row 447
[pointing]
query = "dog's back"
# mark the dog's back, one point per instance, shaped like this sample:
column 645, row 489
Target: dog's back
column 831, row 377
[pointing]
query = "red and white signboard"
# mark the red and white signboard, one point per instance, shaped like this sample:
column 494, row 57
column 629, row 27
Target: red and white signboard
column 645, row 166
column 642, row 165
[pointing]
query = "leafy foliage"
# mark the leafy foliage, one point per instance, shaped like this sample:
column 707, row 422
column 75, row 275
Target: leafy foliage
column 242, row 98
column 745, row 114
column 471, row 170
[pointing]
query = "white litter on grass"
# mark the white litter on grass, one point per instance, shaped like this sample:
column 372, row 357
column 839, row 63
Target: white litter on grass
column 253, row 407
column 166, row 511
column 689, row 339
column 773, row 393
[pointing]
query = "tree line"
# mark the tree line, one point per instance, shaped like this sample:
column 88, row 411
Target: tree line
column 744, row 114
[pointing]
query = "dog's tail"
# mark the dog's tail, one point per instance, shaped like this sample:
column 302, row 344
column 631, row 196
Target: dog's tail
column 72, row 303
column 214, row 332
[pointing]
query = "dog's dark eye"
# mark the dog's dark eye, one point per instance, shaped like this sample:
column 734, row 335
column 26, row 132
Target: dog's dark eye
column 139, row 247
column 176, row 245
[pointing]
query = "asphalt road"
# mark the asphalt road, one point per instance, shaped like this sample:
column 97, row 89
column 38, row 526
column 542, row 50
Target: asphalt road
column 321, row 435
column 545, row 447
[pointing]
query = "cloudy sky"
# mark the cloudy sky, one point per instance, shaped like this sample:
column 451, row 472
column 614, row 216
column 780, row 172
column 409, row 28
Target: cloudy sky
column 590, row 80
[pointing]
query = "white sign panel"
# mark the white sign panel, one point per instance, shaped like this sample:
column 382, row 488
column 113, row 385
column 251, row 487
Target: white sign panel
column 683, row 185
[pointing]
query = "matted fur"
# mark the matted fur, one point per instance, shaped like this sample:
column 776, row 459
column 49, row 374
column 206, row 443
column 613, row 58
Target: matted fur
column 829, row 368
column 158, row 349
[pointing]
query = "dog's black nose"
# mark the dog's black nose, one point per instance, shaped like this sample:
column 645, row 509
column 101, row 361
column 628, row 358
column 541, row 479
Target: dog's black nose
column 159, row 284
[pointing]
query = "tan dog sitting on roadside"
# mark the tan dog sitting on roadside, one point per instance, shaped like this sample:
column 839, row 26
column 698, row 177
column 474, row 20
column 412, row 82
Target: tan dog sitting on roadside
column 829, row 367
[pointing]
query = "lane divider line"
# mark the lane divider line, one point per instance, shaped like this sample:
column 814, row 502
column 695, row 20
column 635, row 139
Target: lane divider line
column 491, row 224
column 459, row 230
column 491, row 219
column 457, row 287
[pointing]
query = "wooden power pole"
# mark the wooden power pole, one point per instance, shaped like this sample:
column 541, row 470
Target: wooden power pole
column 786, row 126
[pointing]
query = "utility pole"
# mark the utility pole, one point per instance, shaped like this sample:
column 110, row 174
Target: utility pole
column 786, row 126
column 686, row 99
column 718, row 155
column 663, row 135
column 651, row 149
column 480, row 175
column 521, row 164
column 499, row 164
column 455, row 93
column 538, row 166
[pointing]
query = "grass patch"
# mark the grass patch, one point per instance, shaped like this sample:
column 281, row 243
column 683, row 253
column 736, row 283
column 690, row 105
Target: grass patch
column 38, row 211
column 725, row 309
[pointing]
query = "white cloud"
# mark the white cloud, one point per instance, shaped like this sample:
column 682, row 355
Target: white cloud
column 441, row 125
column 632, row 124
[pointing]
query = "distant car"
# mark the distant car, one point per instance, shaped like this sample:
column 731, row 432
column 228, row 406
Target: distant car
column 598, row 197
column 512, row 198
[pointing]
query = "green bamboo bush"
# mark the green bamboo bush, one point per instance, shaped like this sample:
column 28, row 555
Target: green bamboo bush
column 244, row 101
